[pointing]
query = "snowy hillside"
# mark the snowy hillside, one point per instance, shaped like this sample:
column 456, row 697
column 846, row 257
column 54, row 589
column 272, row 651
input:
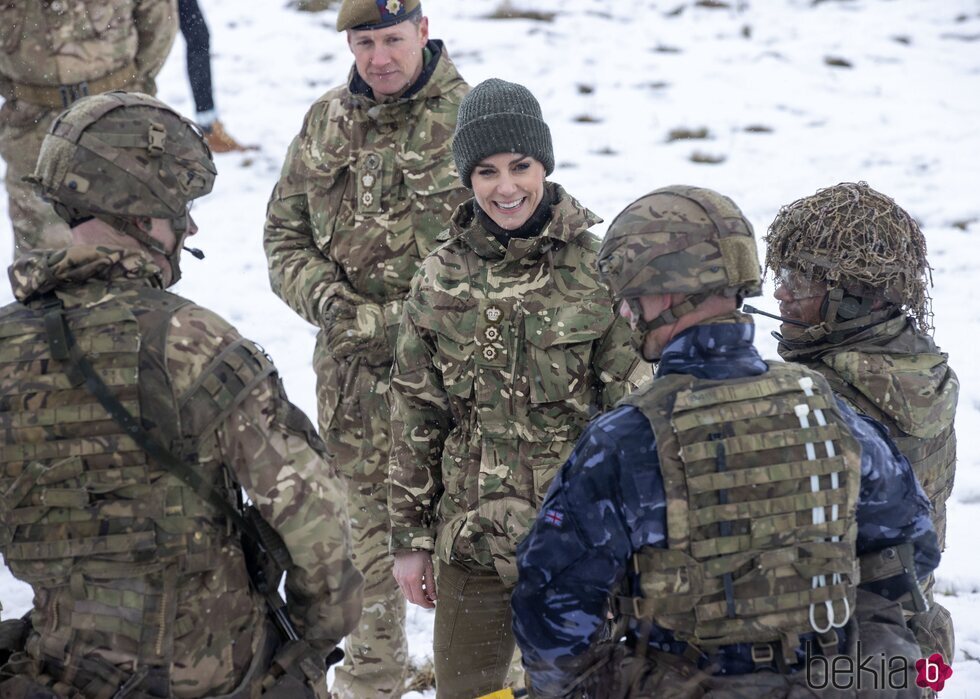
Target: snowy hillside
column 763, row 100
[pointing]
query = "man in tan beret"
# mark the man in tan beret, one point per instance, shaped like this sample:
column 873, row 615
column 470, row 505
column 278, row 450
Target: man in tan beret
column 367, row 186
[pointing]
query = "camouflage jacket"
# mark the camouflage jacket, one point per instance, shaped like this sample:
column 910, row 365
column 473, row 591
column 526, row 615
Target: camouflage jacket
column 502, row 357
column 899, row 377
column 64, row 42
column 129, row 565
column 608, row 502
column 365, row 189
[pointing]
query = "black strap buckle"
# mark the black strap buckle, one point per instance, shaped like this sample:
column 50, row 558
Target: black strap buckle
column 72, row 93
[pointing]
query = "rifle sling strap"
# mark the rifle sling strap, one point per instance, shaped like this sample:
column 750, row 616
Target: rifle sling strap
column 82, row 373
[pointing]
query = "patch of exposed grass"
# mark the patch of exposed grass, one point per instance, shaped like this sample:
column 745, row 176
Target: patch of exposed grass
column 837, row 62
column 682, row 133
column 707, row 158
column 506, row 11
column 421, row 677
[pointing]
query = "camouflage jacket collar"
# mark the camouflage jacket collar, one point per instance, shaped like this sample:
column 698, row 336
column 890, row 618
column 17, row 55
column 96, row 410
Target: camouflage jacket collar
column 720, row 350
column 45, row 271
column 439, row 77
column 893, row 336
column 569, row 220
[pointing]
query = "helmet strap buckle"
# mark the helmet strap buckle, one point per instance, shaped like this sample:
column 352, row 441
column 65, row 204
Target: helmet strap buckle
column 156, row 139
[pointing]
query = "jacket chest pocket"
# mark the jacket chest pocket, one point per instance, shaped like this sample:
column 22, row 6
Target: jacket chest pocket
column 560, row 344
column 102, row 17
column 455, row 348
column 326, row 193
column 12, row 14
column 433, row 191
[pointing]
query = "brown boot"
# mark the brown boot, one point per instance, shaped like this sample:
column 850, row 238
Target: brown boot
column 220, row 141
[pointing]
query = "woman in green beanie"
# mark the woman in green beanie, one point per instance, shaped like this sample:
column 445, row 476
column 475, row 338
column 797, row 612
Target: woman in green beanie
column 508, row 345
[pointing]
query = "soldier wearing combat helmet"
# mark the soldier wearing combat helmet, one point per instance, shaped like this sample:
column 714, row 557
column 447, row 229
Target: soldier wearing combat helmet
column 366, row 187
column 852, row 284
column 719, row 512
column 133, row 420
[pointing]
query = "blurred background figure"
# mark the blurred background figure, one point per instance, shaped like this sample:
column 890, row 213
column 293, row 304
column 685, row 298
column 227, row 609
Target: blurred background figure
column 53, row 53
column 198, row 39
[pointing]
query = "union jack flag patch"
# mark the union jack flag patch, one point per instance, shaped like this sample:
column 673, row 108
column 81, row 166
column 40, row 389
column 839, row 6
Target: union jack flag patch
column 553, row 517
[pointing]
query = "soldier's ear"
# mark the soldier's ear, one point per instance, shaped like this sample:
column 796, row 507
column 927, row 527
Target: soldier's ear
column 424, row 30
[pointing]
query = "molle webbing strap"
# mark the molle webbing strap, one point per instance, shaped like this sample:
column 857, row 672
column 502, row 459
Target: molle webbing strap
column 64, row 348
column 235, row 372
column 744, row 542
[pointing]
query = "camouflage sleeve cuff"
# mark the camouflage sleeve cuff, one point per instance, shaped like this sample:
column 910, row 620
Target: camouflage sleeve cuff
column 412, row 539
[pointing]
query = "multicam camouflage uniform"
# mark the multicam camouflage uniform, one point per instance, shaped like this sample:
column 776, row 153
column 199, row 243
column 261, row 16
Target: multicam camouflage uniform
column 881, row 361
column 365, row 189
column 132, row 419
column 729, row 497
column 52, row 53
column 503, row 355
column 130, row 567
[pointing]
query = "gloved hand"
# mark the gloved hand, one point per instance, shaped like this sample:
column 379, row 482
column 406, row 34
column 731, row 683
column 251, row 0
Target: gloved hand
column 354, row 325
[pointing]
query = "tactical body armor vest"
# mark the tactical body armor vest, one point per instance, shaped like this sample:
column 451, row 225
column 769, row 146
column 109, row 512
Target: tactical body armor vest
column 762, row 479
column 899, row 392
column 115, row 546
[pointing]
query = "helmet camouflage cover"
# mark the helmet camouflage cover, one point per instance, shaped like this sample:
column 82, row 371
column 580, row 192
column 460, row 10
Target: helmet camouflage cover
column 123, row 155
column 857, row 239
column 681, row 239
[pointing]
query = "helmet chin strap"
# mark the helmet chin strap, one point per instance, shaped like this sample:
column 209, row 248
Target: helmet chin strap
column 841, row 315
column 667, row 317
column 179, row 226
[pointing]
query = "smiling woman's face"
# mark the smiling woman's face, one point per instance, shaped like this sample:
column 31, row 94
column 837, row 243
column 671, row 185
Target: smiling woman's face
column 508, row 187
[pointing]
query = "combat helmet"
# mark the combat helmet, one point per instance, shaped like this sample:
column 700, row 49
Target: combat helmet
column 867, row 249
column 679, row 239
column 122, row 156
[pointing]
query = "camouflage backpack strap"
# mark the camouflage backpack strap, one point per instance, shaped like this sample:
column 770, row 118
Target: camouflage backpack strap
column 761, row 477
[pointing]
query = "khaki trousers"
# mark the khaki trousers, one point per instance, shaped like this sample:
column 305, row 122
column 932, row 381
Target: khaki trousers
column 473, row 643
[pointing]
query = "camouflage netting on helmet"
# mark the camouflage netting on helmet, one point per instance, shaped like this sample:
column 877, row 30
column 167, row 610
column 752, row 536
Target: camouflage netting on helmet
column 123, row 154
column 681, row 239
column 854, row 237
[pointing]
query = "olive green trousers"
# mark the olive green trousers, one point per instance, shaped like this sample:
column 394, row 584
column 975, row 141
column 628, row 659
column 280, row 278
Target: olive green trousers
column 473, row 644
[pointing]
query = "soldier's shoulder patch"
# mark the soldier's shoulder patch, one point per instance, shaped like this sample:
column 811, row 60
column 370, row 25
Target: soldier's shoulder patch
column 553, row 517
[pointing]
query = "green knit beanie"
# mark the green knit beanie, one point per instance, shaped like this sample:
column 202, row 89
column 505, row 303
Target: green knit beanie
column 500, row 117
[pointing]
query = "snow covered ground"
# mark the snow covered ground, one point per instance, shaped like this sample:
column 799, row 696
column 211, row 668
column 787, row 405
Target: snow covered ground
column 790, row 96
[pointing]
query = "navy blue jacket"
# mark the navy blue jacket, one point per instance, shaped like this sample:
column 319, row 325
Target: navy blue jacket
column 608, row 501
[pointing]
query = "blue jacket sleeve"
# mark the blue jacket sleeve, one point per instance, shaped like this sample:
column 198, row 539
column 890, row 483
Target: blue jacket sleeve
column 892, row 507
column 578, row 551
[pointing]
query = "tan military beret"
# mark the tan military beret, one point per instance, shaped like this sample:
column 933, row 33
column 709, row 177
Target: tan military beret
column 376, row 14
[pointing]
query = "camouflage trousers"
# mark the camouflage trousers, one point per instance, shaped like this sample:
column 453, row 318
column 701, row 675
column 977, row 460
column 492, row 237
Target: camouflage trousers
column 877, row 630
column 35, row 224
column 934, row 629
column 354, row 423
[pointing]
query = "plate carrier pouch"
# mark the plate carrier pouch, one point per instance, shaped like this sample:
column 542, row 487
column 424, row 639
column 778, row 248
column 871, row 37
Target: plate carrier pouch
column 100, row 530
column 761, row 501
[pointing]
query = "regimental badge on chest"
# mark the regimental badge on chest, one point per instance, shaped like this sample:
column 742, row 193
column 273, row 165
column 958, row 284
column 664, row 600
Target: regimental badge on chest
column 368, row 177
column 493, row 314
column 493, row 334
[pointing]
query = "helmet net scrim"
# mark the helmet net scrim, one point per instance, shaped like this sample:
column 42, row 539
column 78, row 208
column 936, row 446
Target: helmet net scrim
column 855, row 238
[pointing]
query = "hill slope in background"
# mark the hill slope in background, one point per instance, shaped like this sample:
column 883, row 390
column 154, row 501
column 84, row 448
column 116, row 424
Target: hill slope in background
column 764, row 101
